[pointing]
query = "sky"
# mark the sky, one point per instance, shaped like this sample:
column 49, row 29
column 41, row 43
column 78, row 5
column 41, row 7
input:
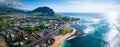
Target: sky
column 68, row 5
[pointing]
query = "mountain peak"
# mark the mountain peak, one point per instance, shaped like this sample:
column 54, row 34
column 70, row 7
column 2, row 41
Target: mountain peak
column 44, row 10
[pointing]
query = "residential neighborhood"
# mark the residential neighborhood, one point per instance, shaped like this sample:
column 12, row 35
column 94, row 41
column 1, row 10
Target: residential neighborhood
column 30, row 30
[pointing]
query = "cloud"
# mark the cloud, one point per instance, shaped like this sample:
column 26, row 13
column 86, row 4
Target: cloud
column 10, row 3
column 1, row 0
column 89, row 6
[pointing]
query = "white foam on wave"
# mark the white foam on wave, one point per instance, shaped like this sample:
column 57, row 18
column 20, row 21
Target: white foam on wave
column 112, row 37
column 71, row 37
column 91, row 21
column 89, row 29
column 95, row 20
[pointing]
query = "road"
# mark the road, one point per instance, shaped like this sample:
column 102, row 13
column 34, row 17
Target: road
column 41, row 40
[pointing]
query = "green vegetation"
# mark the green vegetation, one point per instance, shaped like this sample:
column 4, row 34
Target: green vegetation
column 16, row 26
column 9, row 10
column 65, row 18
column 34, row 28
column 68, row 18
column 39, row 14
column 65, row 30
column 4, row 21
column 43, row 11
column 75, row 19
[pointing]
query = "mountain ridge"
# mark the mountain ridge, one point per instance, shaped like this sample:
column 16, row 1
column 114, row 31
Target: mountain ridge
column 40, row 11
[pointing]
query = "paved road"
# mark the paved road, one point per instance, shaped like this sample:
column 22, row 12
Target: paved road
column 41, row 40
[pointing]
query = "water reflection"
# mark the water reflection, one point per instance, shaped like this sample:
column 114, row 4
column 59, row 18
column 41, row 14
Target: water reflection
column 112, row 37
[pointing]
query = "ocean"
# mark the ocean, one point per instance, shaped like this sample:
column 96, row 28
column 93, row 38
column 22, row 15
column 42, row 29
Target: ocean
column 99, row 30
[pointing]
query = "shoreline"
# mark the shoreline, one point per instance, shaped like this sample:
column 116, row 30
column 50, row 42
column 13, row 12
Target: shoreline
column 60, row 39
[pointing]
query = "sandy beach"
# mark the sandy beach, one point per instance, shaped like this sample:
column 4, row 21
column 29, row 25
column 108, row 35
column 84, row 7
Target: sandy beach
column 61, row 38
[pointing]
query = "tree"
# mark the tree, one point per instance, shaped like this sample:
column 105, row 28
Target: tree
column 45, row 11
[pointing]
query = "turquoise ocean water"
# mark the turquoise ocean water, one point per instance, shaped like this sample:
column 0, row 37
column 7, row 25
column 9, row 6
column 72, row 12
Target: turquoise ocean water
column 100, row 30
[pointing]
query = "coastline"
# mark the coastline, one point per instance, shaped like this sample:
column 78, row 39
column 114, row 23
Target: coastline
column 59, row 39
